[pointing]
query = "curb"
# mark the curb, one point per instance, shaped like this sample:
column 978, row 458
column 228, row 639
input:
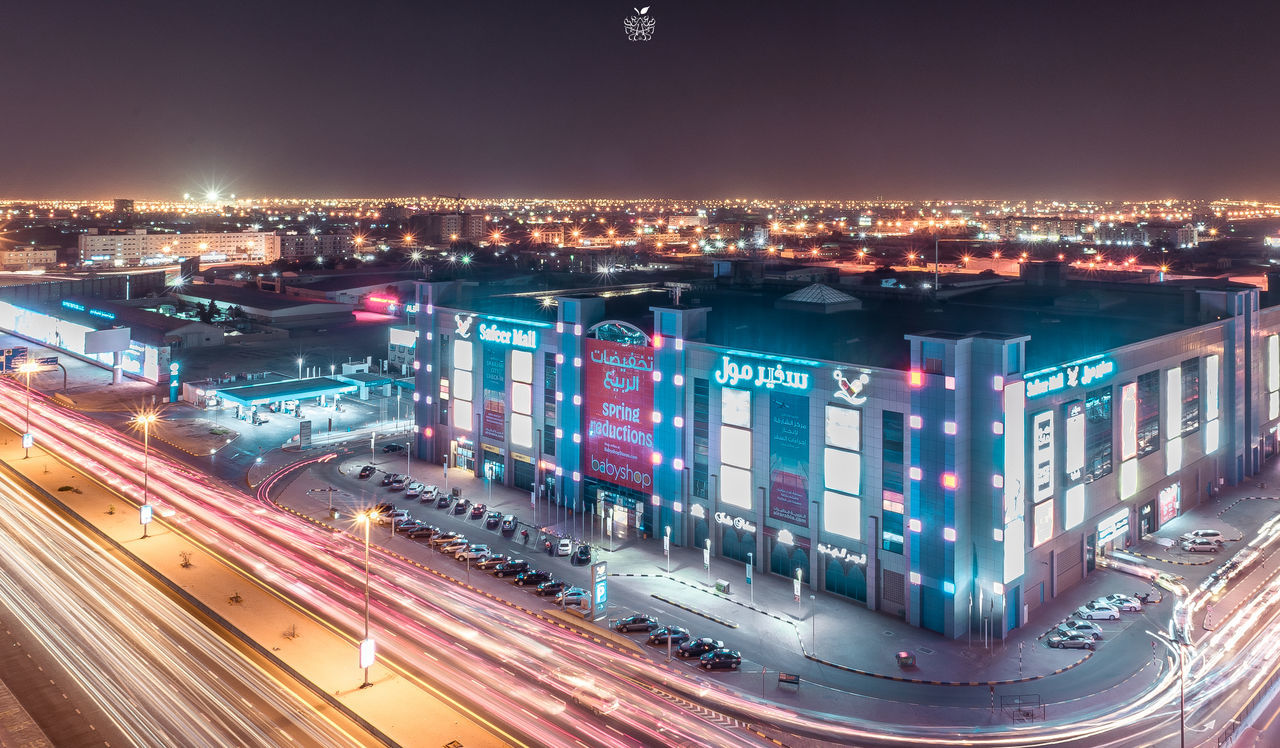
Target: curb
column 709, row 616
column 1206, row 562
column 992, row 683
column 1246, row 498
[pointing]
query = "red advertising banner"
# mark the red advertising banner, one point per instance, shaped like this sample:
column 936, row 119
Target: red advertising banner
column 618, row 414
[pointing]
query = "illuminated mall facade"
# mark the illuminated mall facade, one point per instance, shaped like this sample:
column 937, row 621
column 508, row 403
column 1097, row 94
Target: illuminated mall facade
column 947, row 461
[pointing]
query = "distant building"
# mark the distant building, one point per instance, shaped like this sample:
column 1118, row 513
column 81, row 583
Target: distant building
column 686, row 222
column 1188, row 237
column 448, row 227
column 548, row 235
column 28, row 257
column 137, row 247
column 308, row 246
column 1121, row 235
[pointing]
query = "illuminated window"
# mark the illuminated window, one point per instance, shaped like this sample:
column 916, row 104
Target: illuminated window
column 915, row 421
column 949, row 428
column 735, row 446
column 842, row 471
column 949, row 534
column 842, row 514
column 735, row 407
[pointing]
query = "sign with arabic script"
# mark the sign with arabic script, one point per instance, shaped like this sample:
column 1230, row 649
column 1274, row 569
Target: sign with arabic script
column 761, row 374
column 618, row 413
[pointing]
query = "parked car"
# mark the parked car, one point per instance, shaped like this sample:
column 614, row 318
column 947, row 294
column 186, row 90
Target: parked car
column 1078, row 626
column 443, row 500
column 406, row 525
column 366, row 471
column 564, row 547
column 453, row 546
column 1096, row 610
column 394, row 515
column 392, row 447
column 582, row 555
column 698, row 647
column 1201, row 545
column 637, row 622
column 509, row 523
column 571, row 595
column 472, row 552
column 386, row 479
column 677, row 634
column 511, row 568
column 477, row 511
column 430, row 492
column 551, row 587
column 445, row 537
column 532, row 577
column 460, row 507
column 1070, row 641
column 424, row 531
column 492, row 561
column 720, row 659
column 1213, row 535
column 492, row 519
column 1123, row 602
column 383, row 508
column 413, row 490
column 399, row 483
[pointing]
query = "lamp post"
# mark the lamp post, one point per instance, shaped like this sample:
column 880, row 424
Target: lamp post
column 145, row 420
column 751, row 565
column 366, row 644
column 666, row 548
column 408, row 455
column 27, row 369
column 299, row 367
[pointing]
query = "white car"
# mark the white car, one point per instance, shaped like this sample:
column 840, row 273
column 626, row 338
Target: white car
column 1213, row 535
column 1123, row 602
column 565, row 547
column 1096, row 610
column 430, row 491
column 473, row 552
column 397, row 515
column 413, row 490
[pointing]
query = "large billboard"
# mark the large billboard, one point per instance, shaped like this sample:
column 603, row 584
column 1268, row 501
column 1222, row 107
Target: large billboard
column 789, row 458
column 494, row 384
column 618, row 414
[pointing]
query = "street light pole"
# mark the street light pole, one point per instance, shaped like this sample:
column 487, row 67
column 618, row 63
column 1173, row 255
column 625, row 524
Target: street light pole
column 1182, row 699
column 299, row 367
column 367, row 518
column 666, row 548
column 145, row 420
column 27, row 369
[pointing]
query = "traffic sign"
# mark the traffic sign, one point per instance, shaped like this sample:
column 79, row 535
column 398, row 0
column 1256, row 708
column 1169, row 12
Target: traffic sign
column 599, row 587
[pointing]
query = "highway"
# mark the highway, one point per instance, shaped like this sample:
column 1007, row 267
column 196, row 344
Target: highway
column 537, row 683
column 161, row 676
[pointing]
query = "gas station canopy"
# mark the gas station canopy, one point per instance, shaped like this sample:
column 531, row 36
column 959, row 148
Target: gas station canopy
column 293, row 389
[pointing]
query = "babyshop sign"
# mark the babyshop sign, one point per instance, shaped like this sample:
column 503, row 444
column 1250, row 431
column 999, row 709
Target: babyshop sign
column 1079, row 374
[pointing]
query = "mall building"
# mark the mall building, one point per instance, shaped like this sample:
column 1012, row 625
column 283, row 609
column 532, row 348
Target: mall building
column 957, row 458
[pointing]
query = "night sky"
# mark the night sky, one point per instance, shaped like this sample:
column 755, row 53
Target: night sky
column 784, row 99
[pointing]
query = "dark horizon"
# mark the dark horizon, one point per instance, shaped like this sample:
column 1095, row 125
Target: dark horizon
column 807, row 101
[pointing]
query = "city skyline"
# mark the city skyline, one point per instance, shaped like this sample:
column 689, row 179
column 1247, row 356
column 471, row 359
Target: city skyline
column 819, row 99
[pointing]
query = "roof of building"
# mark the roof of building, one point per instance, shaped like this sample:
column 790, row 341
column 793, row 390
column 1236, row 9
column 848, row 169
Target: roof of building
column 1066, row 321
column 101, row 314
column 818, row 294
column 358, row 280
column 249, row 297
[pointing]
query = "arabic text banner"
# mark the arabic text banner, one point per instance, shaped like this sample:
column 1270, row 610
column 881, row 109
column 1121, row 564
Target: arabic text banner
column 618, row 414
column 789, row 458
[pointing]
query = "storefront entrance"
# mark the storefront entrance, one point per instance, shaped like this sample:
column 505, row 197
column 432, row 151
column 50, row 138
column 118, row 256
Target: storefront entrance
column 494, row 467
column 521, row 472
column 463, row 454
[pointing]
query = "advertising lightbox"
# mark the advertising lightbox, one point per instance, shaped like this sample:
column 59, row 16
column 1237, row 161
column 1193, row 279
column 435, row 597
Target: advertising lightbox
column 789, row 458
column 618, row 413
